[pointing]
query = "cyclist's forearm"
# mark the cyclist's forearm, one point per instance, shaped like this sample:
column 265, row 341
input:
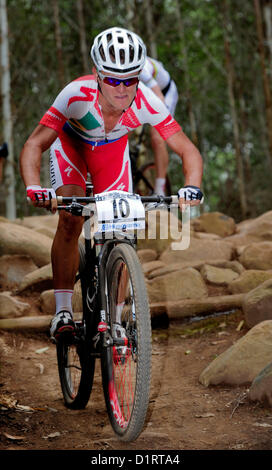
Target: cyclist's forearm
column 30, row 163
column 30, row 159
column 192, row 163
column 192, row 168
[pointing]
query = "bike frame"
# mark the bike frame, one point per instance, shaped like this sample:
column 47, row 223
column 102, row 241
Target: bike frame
column 96, row 257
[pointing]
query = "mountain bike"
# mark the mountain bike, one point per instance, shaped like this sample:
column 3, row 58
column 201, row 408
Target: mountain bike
column 115, row 323
column 144, row 175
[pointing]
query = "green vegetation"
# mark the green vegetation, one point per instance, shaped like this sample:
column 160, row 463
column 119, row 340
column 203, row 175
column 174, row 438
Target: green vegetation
column 211, row 48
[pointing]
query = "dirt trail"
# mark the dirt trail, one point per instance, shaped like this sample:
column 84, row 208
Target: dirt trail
column 182, row 414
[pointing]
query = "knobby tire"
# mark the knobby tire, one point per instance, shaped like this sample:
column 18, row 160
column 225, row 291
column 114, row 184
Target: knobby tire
column 126, row 375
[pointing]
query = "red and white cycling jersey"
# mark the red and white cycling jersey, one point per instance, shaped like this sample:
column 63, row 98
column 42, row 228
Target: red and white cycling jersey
column 83, row 145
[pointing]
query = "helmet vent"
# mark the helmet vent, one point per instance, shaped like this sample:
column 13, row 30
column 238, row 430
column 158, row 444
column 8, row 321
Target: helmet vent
column 118, row 50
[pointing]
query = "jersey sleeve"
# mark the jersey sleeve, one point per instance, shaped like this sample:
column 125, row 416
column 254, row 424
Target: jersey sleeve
column 151, row 110
column 146, row 75
column 71, row 102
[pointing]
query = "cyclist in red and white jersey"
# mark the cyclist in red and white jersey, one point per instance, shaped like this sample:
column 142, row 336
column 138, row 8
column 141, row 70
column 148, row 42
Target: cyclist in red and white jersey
column 86, row 128
column 157, row 78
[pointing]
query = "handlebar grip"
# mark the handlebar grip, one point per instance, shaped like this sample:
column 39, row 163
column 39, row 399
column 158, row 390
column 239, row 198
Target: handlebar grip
column 174, row 199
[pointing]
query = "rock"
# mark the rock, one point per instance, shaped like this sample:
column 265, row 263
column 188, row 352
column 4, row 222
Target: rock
column 11, row 307
column 233, row 265
column 257, row 304
column 48, row 303
column 13, row 268
column 183, row 284
column 38, row 221
column 38, row 280
column 257, row 256
column 146, row 255
column 151, row 266
column 162, row 228
column 243, row 361
column 218, row 276
column 215, row 222
column 199, row 250
column 191, row 307
column 254, row 230
column 49, row 232
column 44, row 224
column 248, row 280
column 16, row 239
column 205, row 236
column 261, row 387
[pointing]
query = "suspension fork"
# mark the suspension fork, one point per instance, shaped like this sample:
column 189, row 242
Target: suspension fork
column 103, row 325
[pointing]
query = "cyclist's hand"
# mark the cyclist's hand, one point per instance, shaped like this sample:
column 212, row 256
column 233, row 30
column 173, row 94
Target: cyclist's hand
column 191, row 195
column 42, row 197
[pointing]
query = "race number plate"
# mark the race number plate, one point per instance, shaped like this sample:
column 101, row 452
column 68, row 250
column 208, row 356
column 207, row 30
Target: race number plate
column 119, row 211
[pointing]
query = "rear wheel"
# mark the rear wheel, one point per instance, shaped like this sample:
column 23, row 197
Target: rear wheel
column 126, row 365
column 76, row 360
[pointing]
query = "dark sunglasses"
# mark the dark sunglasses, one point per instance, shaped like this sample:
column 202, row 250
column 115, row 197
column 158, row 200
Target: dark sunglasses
column 116, row 81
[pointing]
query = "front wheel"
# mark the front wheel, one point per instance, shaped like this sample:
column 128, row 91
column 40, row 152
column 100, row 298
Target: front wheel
column 126, row 365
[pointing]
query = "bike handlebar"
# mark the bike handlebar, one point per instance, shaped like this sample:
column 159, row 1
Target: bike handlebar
column 91, row 199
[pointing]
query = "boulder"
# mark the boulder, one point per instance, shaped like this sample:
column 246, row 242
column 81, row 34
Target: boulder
column 20, row 240
column 243, row 361
column 261, row 387
column 11, row 307
column 257, row 256
column 248, row 280
column 38, row 280
column 178, row 309
column 182, row 284
column 146, row 255
column 13, row 268
column 199, row 250
column 257, row 304
column 218, row 276
column 48, row 303
column 151, row 266
column 38, row 221
column 233, row 265
column 162, row 228
column 216, row 223
column 253, row 230
column 49, row 232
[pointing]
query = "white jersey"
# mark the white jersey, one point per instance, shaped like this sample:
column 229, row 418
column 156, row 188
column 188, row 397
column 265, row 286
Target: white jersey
column 154, row 74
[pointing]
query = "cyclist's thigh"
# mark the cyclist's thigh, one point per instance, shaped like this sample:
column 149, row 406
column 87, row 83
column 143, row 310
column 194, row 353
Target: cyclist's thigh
column 171, row 98
column 67, row 163
column 109, row 166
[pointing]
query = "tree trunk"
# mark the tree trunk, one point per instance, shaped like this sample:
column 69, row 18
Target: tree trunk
column 82, row 37
column 61, row 74
column 267, row 12
column 234, row 115
column 187, row 90
column 266, row 86
column 7, row 116
column 150, row 28
column 130, row 14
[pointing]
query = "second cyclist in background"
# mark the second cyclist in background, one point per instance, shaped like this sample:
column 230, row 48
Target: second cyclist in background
column 156, row 77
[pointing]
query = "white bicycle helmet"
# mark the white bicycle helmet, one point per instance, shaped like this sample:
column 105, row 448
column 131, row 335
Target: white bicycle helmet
column 119, row 51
